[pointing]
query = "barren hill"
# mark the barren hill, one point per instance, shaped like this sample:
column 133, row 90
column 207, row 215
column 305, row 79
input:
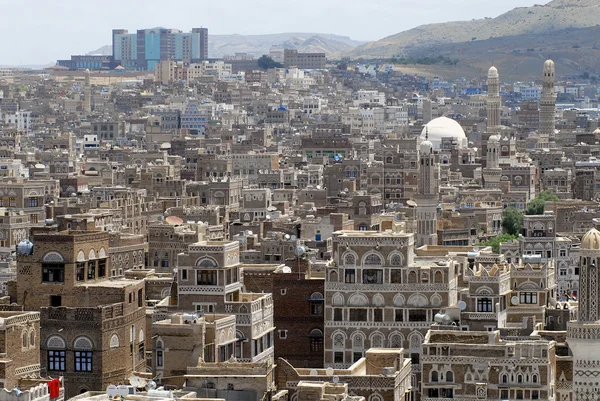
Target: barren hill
column 558, row 15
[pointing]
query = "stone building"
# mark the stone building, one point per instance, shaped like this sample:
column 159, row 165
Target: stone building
column 378, row 295
column 381, row 375
column 208, row 281
column 479, row 365
column 20, row 345
column 92, row 327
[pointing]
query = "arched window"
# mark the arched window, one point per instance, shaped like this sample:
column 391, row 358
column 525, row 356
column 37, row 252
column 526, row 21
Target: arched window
column 434, row 376
column 338, row 340
column 396, row 259
column 449, row 376
column 25, row 339
column 316, row 340
column 377, row 340
column 396, row 341
column 534, row 378
column 504, row 379
column 373, row 259
column 349, row 259
column 83, row 354
column 114, row 341
column 56, row 353
column 358, row 341
column 31, row 338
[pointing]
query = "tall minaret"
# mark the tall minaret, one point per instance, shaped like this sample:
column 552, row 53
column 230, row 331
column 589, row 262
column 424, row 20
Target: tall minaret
column 492, row 171
column 427, row 195
column 87, row 105
column 548, row 107
column 493, row 102
column 583, row 335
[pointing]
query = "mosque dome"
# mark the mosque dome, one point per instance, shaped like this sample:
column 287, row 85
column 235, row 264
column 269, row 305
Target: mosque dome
column 426, row 147
column 549, row 65
column 25, row 247
column 444, row 127
column 493, row 72
column 591, row 240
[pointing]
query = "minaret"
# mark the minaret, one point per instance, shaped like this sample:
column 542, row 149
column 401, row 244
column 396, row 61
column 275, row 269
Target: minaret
column 492, row 171
column 87, row 105
column 493, row 102
column 583, row 335
column 548, row 107
column 427, row 195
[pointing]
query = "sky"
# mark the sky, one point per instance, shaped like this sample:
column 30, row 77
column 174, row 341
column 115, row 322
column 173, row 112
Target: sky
column 37, row 32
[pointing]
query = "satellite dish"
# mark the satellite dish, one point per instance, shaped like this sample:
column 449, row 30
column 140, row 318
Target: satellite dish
column 287, row 236
column 293, row 238
column 514, row 300
column 286, row 269
column 462, row 305
column 151, row 385
column 250, row 233
column 111, row 391
column 329, row 371
column 122, row 390
column 336, row 379
column 268, row 217
column 314, row 372
column 411, row 202
column 313, row 259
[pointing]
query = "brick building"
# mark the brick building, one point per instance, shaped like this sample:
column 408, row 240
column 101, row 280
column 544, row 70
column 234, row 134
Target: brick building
column 92, row 327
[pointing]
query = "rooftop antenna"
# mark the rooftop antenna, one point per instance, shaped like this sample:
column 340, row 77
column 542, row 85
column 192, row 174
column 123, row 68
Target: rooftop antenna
column 426, row 133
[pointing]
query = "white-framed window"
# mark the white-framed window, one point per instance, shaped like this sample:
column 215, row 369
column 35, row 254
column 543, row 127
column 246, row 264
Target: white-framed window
column 283, row 334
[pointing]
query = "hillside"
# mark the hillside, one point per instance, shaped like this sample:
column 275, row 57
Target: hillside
column 558, row 15
column 220, row 45
column 519, row 57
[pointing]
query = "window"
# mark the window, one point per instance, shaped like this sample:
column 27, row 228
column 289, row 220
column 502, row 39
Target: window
column 484, row 305
column 83, row 361
column 80, row 268
column 33, row 202
column 356, row 356
column 184, row 274
column 396, row 276
column 378, row 315
column 350, row 276
column 91, row 270
column 358, row 315
column 449, row 376
column 338, row 357
column 207, row 277
column 504, row 394
column 417, row 315
column 528, row 297
column 338, row 315
column 283, row 334
column 434, row 376
column 12, row 202
column 56, row 360
column 316, row 341
column 53, row 272
column 535, row 395
column 399, row 315
column 372, row 276
column 102, row 268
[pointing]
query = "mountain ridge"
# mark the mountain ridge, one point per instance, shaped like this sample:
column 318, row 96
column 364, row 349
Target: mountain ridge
column 539, row 19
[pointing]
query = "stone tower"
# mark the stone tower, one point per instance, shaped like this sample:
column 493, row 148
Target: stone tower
column 493, row 102
column 427, row 196
column 583, row 335
column 492, row 171
column 548, row 107
column 87, row 105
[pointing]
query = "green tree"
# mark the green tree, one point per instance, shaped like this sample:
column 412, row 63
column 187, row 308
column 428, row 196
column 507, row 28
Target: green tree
column 265, row 62
column 537, row 206
column 496, row 241
column 512, row 222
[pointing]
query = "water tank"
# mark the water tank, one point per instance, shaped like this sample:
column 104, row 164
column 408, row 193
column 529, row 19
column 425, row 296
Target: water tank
column 25, row 247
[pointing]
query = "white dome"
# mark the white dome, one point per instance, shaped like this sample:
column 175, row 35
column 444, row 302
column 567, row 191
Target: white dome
column 444, row 127
column 493, row 72
column 426, row 147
